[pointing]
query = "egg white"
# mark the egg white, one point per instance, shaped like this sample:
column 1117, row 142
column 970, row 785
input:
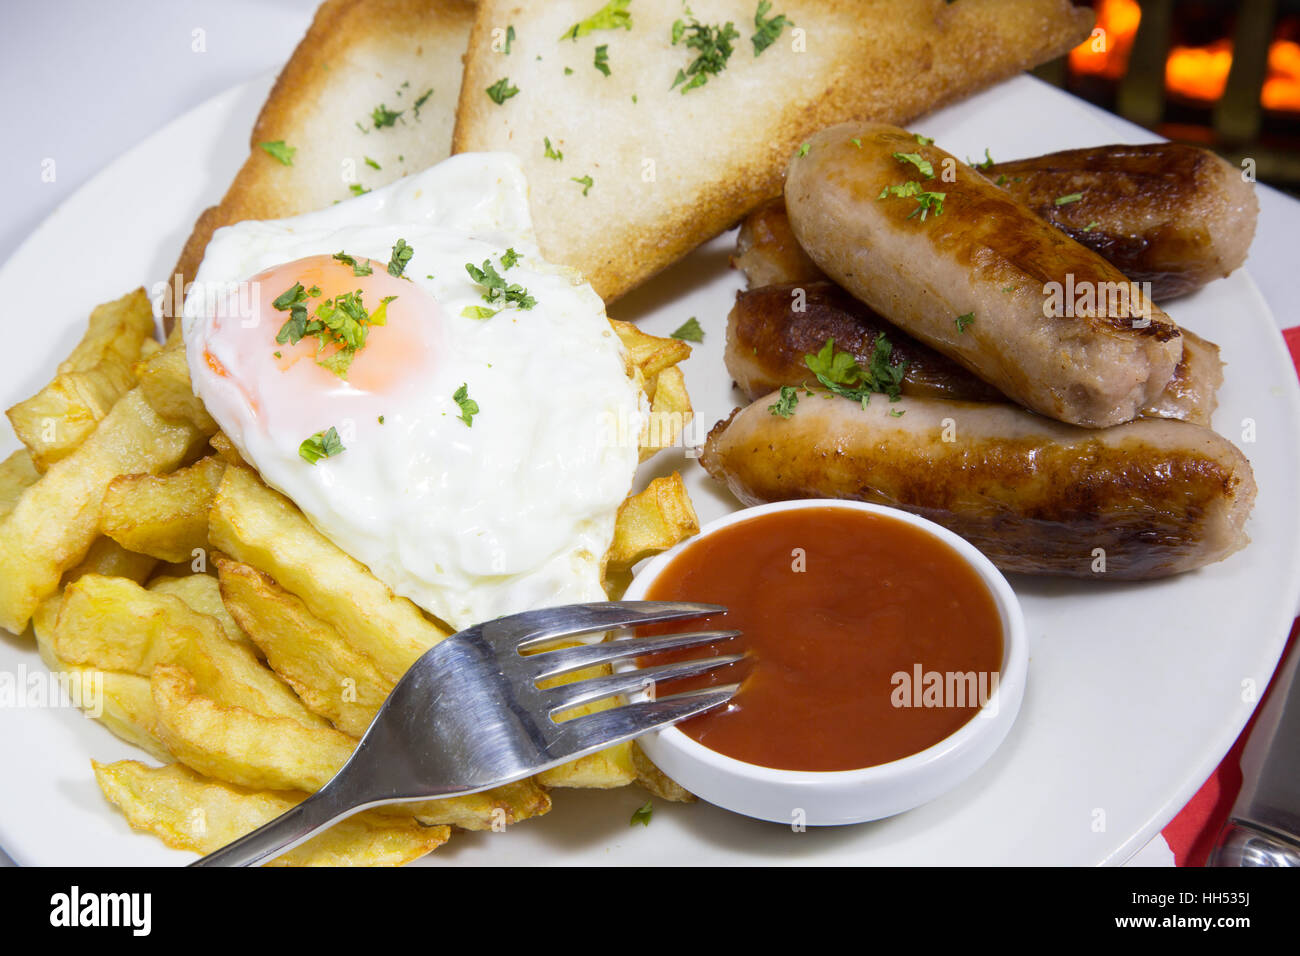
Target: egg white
column 513, row 512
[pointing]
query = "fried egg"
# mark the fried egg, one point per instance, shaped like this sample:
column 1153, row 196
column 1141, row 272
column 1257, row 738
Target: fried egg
column 473, row 450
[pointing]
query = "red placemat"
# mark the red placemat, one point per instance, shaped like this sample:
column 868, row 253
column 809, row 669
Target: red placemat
column 1191, row 834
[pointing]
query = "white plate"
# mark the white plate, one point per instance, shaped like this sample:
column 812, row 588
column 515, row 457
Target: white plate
column 1135, row 692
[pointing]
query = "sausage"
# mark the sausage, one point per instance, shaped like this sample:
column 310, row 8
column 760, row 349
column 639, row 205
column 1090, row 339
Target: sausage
column 1157, row 497
column 768, row 336
column 767, row 251
column 1173, row 215
column 1055, row 327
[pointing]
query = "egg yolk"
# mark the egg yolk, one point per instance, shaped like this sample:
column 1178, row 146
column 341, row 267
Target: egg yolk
column 395, row 352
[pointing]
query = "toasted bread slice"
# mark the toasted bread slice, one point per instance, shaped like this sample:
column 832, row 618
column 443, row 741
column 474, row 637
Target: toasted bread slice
column 650, row 168
column 358, row 56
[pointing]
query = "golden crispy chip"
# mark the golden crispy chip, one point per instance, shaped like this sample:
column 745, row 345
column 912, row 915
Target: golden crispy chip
column 330, row 676
column 656, row 781
column 189, row 812
column 17, row 474
column 58, row 418
column 163, row 515
column 650, row 353
column 670, row 413
column 226, row 449
column 115, row 624
column 603, row 770
column 261, row 527
column 165, row 381
column 56, row 519
column 203, row 594
column 109, row 558
column 651, row 522
column 238, row 746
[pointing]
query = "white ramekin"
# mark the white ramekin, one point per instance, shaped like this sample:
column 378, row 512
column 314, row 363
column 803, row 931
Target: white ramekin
column 825, row 798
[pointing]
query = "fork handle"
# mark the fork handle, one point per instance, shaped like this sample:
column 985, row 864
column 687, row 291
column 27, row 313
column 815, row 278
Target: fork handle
column 285, row 832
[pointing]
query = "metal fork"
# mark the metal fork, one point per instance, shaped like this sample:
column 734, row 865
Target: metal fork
column 469, row 716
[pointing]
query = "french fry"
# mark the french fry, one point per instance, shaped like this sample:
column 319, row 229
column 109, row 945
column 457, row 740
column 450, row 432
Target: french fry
column 163, row 515
column 110, row 559
column 656, row 781
column 189, row 812
column 165, row 381
column 261, row 527
column 226, row 449
column 652, row 521
column 56, row 420
column 602, row 770
column 55, row 520
column 203, row 594
column 330, row 677
column 650, row 353
column 17, row 474
column 670, row 413
column 240, row 747
column 115, row 624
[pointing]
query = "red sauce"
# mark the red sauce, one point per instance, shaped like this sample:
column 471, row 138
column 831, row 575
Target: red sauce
column 835, row 605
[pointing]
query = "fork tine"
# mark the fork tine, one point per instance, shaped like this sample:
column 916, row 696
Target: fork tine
column 598, row 688
column 554, row 663
column 608, row 727
column 519, row 631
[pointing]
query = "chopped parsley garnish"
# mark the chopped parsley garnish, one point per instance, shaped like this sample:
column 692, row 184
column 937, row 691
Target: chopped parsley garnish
column 382, row 116
column 690, row 331
column 510, row 259
column 551, row 151
column 510, row 38
column 478, row 312
column 840, row 373
column 468, row 407
column 927, row 202
column 343, row 321
column 602, row 58
column 802, row 150
column 784, row 406
column 371, row 163
column 897, row 412
column 357, row 189
column 766, row 31
column 988, row 161
column 423, row 97
column 501, row 90
column 963, row 321
column 1091, row 226
column 642, row 814
column 279, row 151
column 499, row 291
column 568, row 70
column 609, row 17
column 586, row 182
column 924, row 140
column 1067, row 199
column 1001, row 180
column 856, row 142
column 381, row 419
column 713, row 43
column 358, row 268
column 324, row 444
column 401, row 256
column 917, row 160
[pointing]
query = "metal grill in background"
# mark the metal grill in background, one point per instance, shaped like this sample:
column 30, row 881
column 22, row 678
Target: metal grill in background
column 1218, row 73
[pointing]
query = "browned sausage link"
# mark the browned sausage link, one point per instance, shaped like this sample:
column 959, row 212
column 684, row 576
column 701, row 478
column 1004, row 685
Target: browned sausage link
column 1173, row 215
column 770, row 331
column 768, row 335
column 767, row 251
column 1143, row 500
column 1056, row 327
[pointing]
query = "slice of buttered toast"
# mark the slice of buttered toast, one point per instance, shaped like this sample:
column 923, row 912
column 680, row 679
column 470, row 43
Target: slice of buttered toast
column 368, row 96
column 647, row 127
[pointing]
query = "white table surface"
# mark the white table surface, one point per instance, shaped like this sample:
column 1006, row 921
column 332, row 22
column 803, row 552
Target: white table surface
column 82, row 81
